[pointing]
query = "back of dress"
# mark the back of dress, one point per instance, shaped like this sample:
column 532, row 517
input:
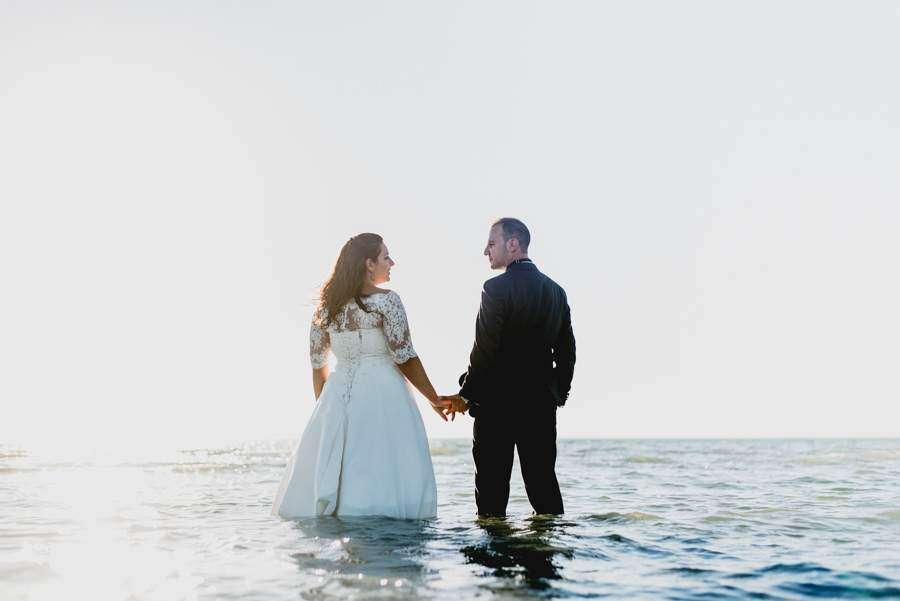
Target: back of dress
column 365, row 450
column 346, row 335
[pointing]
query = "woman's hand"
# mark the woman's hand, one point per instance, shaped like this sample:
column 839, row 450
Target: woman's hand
column 441, row 407
column 457, row 405
column 415, row 373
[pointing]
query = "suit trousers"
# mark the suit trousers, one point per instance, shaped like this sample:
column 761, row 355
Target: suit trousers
column 531, row 432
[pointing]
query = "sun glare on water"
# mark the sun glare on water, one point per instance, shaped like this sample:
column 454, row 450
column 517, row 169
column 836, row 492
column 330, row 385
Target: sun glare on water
column 101, row 553
column 104, row 507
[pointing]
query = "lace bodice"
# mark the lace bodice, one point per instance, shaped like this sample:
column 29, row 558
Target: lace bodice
column 385, row 311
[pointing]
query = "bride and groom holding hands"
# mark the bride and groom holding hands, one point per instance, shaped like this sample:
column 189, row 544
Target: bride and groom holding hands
column 365, row 450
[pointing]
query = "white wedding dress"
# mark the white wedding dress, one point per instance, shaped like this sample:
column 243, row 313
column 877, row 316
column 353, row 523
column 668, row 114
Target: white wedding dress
column 364, row 450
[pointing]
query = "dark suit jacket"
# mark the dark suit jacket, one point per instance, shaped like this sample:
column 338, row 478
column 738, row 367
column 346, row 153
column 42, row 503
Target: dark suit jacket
column 524, row 349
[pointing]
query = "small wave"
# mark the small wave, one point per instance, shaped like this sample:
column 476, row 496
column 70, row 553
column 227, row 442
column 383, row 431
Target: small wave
column 836, row 591
column 624, row 517
column 728, row 516
column 211, row 451
column 837, row 585
column 811, row 480
column 253, row 450
column 794, row 568
column 147, row 465
column 187, row 468
column 824, row 458
column 882, row 456
column 441, row 450
column 724, row 516
column 12, row 570
column 641, row 459
column 720, row 485
column 687, row 570
column 704, row 552
column 891, row 515
column 184, row 466
column 618, row 538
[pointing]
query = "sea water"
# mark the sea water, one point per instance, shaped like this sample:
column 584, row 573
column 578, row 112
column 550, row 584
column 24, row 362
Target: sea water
column 645, row 519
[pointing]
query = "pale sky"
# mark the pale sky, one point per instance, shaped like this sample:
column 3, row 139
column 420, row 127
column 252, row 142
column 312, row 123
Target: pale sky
column 716, row 186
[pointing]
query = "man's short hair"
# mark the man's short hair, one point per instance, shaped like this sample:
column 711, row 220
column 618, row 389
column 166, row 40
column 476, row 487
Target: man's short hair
column 513, row 228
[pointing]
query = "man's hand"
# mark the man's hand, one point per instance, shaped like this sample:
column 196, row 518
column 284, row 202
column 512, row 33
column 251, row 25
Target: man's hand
column 441, row 407
column 457, row 405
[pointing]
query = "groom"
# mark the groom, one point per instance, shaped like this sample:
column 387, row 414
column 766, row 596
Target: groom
column 520, row 371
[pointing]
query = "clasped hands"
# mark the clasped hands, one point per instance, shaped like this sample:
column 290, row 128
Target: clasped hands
column 450, row 406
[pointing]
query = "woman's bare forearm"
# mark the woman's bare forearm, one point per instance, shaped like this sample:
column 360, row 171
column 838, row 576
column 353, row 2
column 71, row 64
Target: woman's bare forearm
column 415, row 373
column 319, row 377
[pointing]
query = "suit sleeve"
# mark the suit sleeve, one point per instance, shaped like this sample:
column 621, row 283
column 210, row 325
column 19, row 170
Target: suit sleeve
column 491, row 317
column 564, row 356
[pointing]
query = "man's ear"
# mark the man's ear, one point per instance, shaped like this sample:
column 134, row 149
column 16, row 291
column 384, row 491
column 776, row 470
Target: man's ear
column 512, row 245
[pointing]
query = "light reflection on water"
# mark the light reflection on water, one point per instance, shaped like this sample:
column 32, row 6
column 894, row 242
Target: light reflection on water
column 779, row 519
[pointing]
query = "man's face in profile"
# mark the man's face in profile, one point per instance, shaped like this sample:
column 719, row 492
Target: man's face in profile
column 495, row 250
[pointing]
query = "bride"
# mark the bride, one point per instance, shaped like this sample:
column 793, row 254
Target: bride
column 364, row 450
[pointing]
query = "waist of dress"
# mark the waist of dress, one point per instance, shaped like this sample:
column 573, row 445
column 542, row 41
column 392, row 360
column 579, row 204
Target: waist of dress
column 363, row 361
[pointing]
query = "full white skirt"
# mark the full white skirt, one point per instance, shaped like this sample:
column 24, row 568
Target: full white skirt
column 364, row 451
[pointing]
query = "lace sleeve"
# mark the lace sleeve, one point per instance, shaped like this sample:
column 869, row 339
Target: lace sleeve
column 396, row 328
column 319, row 343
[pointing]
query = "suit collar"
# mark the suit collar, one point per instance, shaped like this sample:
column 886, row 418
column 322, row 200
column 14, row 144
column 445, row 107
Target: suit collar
column 521, row 264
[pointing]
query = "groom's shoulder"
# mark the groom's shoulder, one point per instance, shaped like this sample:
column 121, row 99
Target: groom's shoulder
column 532, row 279
column 553, row 282
column 497, row 282
column 504, row 283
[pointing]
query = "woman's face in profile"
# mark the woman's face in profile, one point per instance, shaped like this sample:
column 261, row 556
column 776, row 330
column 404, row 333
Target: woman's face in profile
column 382, row 272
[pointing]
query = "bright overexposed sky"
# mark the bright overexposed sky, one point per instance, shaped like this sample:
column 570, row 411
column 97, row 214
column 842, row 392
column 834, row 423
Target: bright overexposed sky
column 716, row 185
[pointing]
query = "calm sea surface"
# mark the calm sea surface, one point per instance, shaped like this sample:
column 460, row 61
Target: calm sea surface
column 673, row 519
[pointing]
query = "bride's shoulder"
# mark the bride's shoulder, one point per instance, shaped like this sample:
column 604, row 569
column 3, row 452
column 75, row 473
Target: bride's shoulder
column 385, row 298
column 384, row 295
column 319, row 315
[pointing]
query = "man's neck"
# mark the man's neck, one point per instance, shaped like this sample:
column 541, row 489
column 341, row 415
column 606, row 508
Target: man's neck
column 522, row 258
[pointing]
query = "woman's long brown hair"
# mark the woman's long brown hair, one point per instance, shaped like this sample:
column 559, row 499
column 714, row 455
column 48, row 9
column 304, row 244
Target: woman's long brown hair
column 346, row 281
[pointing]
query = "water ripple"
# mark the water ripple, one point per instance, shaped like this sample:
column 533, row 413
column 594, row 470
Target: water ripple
column 686, row 520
